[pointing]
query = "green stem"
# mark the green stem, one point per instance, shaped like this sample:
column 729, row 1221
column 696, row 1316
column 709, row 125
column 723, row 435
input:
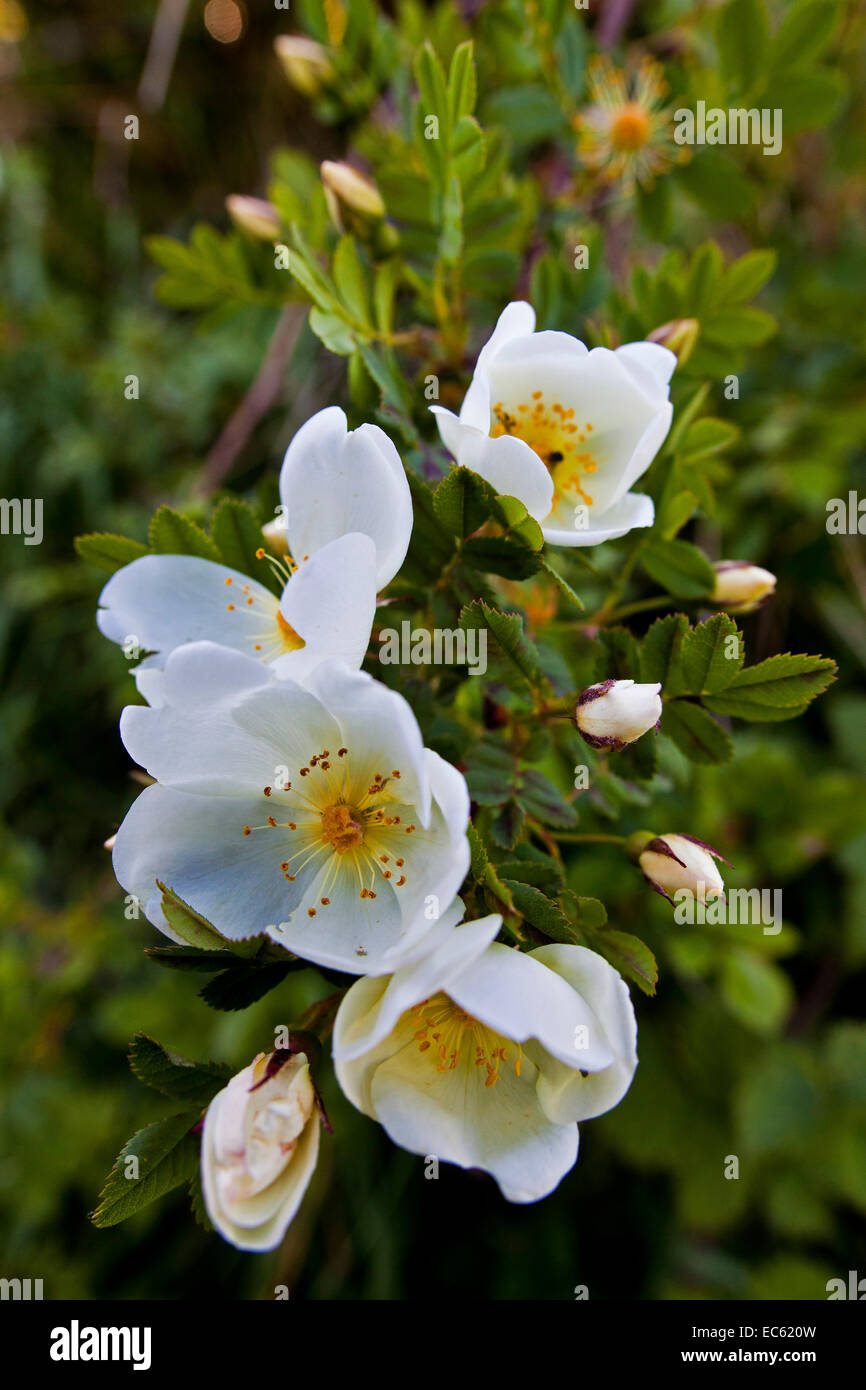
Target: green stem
column 660, row 601
column 570, row 838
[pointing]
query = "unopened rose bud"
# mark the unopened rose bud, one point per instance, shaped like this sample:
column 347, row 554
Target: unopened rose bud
column 614, row 713
column 305, row 63
column 674, row 862
column 259, row 1147
column 741, row 587
column 255, row 216
column 680, row 336
column 276, row 533
column 349, row 191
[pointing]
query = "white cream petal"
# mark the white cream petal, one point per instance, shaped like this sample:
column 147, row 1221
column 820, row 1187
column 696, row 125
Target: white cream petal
column 330, row 600
column 500, row 1129
column 517, row 996
column 651, row 365
column 196, row 846
column 379, row 729
column 363, row 1022
column 563, row 1092
column 634, row 510
column 335, row 481
column 164, row 601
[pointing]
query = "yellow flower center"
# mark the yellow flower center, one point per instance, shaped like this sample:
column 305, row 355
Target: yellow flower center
column 556, row 436
column 332, row 816
column 451, row 1036
column 342, row 827
column 630, row 127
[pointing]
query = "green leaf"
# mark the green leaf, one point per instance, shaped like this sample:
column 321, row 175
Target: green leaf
column 461, row 82
column 675, row 512
column 743, row 278
column 461, row 502
column 333, row 332
column 430, row 546
column 491, row 773
column 590, row 914
column 499, row 555
column 704, row 278
column 507, row 825
column 385, row 283
column 712, row 654
column 620, row 655
column 109, row 552
column 433, row 89
column 451, row 236
column 167, row 1072
column 516, row 654
column 540, row 798
column 237, row 534
column 778, row 688
column 170, row 533
column 562, row 584
column 540, row 911
column 685, row 416
column 630, row 956
column 743, row 40
column 806, row 31
column 167, row 1155
column 679, row 567
column 243, row 984
column 696, row 734
column 740, row 327
column 190, row 926
column 478, row 854
column 757, row 991
column 542, row 872
column 809, row 99
column 468, row 150
column 705, row 438
column 350, row 281
column 189, row 958
column 660, row 651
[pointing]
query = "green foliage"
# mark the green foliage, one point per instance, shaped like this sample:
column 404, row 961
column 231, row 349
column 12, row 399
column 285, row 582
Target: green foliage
column 747, row 1046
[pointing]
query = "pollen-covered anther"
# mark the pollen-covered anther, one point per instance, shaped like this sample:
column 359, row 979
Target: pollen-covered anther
column 342, row 827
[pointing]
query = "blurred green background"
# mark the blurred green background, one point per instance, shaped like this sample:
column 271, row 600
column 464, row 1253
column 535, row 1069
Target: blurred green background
column 752, row 1048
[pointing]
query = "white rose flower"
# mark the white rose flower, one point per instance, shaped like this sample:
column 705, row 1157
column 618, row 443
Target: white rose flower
column 565, row 430
column 325, row 610
column 347, row 519
column 674, row 862
column 487, row 1057
column 741, row 587
column 614, row 713
column 335, row 480
column 258, row 1151
column 315, row 814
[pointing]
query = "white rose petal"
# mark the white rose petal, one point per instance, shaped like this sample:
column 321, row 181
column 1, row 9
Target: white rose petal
column 487, row 1057
column 565, row 430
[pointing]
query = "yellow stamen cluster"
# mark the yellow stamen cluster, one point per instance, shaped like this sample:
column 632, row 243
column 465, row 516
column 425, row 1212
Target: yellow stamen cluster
column 272, row 636
column 339, row 822
column 448, row 1034
column 556, row 436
